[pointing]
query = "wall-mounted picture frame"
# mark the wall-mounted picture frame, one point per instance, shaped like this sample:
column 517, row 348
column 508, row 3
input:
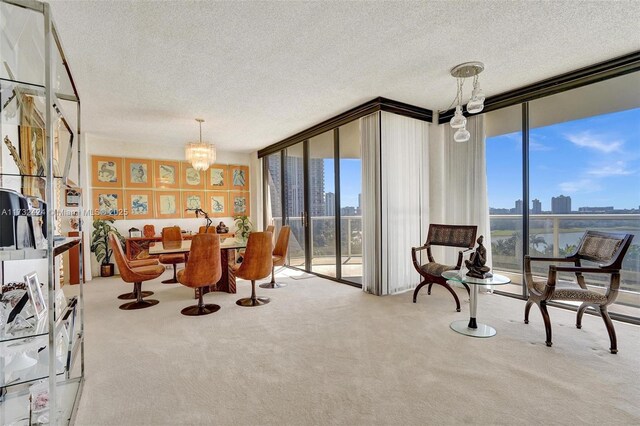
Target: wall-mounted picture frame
column 239, row 178
column 218, row 177
column 218, row 203
column 192, row 200
column 72, row 197
column 168, row 204
column 140, row 204
column 106, row 172
column 139, row 173
column 190, row 178
column 166, row 174
column 239, row 203
column 35, row 294
column 108, row 203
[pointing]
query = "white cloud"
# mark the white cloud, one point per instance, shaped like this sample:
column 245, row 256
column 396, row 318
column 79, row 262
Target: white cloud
column 597, row 142
column 619, row 168
column 582, row 185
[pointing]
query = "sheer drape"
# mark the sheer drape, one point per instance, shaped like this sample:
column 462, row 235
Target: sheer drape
column 370, row 147
column 463, row 182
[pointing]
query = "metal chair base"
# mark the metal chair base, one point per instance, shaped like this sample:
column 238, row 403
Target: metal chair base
column 132, row 295
column 198, row 310
column 272, row 285
column 170, row 281
column 248, row 301
column 142, row 304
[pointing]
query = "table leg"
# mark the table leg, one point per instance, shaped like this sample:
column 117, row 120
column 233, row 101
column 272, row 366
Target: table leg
column 473, row 307
column 471, row 327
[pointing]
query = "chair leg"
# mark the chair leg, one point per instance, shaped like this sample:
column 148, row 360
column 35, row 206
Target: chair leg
column 468, row 289
column 429, row 289
column 133, row 296
column 201, row 308
column 527, row 308
column 581, row 311
column 547, row 321
column 415, row 292
column 455, row 296
column 612, row 332
column 273, row 283
column 253, row 300
column 173, row 280
column 139, row 303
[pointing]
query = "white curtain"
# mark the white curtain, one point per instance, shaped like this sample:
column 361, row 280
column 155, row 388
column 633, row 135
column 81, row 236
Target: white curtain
column 404, row 141
column 459, row 183
column 370, row 147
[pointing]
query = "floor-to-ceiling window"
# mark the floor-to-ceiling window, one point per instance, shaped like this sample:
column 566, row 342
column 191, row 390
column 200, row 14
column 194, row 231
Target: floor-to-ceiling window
column 294, row 203
column 583, row 173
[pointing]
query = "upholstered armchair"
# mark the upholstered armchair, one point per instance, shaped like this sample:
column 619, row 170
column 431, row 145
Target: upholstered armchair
column 279, row 256
column 607, row 251
column 256, row 265
column 203, row 269
column 172, row 235
column 460, row 236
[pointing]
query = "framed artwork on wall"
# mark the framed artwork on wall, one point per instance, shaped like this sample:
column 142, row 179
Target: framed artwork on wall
column 239, row 178
column 139, row 173
column 190, row 178
column 218, row 203
column 166, row 174
column 239, row 203
column 192, row 200
column 168, row 204
column 218, row 177
column 139, row 204
column 108, row 203
column 107, row 172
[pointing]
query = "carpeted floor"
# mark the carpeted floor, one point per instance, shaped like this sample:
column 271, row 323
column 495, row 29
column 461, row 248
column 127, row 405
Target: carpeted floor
column 323, row 353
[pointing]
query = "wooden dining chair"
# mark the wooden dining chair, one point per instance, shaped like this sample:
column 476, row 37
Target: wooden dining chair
column 279, row 256
column 203, row 269
column 172, row 236
column 135, row 275
column 256, row 265
column 116, row 247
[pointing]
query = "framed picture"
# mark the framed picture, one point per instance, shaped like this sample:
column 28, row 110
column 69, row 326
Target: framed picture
column 108, row 203
column 168, row 204
column 192, row 200
column 107, row 172
column 139, row 173
column 139, row 204
column 218, row 177
column 190, row 178
column 72, row 197
column 218, row 203
column 239, row 177
column 35, row 294
column 166, row 174
column 239, row 203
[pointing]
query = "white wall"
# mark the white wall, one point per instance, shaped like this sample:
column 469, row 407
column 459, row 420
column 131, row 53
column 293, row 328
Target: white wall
column 96, row 145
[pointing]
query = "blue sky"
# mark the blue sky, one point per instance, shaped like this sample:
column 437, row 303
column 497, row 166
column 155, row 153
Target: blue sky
column 350, row 180
column 595, row 161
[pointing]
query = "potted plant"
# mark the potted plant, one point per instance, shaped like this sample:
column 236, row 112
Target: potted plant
column 243, row 227
column 100, row 244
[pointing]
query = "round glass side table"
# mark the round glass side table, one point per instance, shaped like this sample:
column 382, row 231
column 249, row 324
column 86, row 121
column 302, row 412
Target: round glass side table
column 472, row 327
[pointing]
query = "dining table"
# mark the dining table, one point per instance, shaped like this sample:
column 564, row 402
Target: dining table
column 228, row 254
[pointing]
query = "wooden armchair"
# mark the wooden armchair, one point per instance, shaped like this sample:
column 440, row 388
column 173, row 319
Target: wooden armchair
column 462, row 236
column 605, row 249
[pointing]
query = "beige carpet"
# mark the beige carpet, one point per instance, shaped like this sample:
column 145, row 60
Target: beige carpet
column 323, row 353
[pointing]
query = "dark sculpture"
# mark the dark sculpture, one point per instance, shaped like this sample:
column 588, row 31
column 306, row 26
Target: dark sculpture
column 476, row 263
column 222, row 228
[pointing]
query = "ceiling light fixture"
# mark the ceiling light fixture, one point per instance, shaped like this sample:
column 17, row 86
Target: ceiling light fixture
column 200, row 154
column 475, row 104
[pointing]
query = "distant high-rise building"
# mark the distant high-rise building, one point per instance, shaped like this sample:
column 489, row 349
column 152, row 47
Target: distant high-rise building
column 518, row 209
column 359, row 204
column 330, row 203
column 561, row 204
column 537, row 206
column 348, row 211
column 607, row 209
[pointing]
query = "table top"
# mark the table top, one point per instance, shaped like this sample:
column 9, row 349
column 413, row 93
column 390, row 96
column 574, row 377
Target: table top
column 497, row 279
column 185, row 246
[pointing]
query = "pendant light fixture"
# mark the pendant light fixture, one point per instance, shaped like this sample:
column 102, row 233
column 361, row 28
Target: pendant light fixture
column 475, row 104
column 200, row 154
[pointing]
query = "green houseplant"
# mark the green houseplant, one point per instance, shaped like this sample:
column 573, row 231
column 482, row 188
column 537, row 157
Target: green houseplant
column 243, row 227
column 100, row 244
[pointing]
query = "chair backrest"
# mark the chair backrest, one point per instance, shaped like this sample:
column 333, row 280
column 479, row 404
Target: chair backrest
column 282, row 245
column 258, row 258
column 171, row 234
column 271, row 229
column 211, row 230
column 452, row 235
column 204, row 264
column 118, row 254
column 607, row 249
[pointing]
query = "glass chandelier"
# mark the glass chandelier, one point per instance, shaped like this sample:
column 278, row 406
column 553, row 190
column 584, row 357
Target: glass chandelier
column 475, row 104
column 200, row 154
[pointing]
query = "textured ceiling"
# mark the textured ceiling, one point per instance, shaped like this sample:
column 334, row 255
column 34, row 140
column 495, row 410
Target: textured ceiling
column 258, row 72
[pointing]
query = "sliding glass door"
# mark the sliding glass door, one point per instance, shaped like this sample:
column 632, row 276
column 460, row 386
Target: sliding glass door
column 294, row 203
